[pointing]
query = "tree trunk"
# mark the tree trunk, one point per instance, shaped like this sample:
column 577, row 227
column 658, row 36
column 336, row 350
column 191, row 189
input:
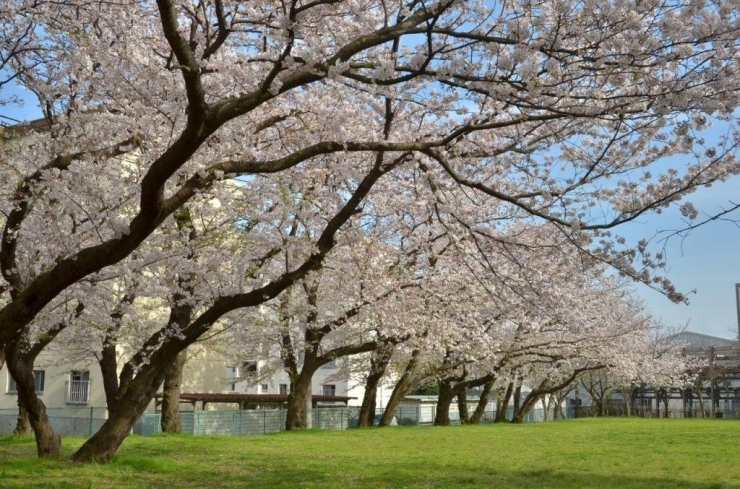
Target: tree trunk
column 367, row 409
column 399, row 391
column 462, row 407
column 560, row 408
column 502, row 404
column 701, row 403
column 559, row 398
column 444, row 401
column 601, row 404
column 300, row 394
column 480, row 409
column 106, row 441
column 129, row 394
column 665, row 403
column 134, row 395
column 108, row 363
column 520, row 412
column 22, row 424
column 378, row 364
column 627, row 396
column 517, row 397
column 171, row 395
column 548, row 405
column 391, row 406
column 47, row 442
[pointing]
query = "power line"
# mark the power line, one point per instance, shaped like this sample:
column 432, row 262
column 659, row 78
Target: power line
column 17, row 121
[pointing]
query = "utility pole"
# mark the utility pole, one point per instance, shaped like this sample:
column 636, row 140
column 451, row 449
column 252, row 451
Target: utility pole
column 711, row 380
column 737, row 304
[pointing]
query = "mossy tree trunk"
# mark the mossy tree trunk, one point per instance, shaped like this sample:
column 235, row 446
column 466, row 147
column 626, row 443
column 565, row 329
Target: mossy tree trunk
column 402, row 387
column 20, row 365
column 480, row 409
column 171, row 422
column 502, row 403
column 299, row 396
column 378, row 364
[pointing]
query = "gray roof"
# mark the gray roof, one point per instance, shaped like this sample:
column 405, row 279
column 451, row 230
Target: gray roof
column 700, row 340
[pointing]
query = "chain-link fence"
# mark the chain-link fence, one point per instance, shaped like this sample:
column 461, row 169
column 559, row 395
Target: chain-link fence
column 688, row 413
column 692, row 410
column 85, row 421
column 424, row 415
column 257, row 422
column 247, row 422
column 67, row 421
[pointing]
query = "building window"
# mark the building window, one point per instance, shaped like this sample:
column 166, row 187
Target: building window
column 328, row 390
column 38, row 380
column 77, row 390
column 263, row 388
column 232, row 373
column 249, row 367
column 283, row 389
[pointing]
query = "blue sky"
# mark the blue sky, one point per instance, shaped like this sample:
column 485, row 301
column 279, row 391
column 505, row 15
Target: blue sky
column 707, row 261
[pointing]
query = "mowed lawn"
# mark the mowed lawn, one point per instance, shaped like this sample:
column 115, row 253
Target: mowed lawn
column 593, row 453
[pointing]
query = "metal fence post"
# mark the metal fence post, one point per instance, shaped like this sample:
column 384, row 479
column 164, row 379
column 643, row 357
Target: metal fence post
column 89, row 433
column 264, row 421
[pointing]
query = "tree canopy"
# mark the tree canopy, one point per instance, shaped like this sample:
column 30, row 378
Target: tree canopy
column 222, row 151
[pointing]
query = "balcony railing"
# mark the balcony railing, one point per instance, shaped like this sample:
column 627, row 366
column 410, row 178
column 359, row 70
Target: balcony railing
column 77, row 392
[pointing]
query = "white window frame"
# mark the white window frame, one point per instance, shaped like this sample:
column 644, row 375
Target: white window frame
column 77, row 391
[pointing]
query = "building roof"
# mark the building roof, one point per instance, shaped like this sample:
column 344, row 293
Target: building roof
column 22, row 127
column 243, row 397
column 700, row 340
column 420, row 398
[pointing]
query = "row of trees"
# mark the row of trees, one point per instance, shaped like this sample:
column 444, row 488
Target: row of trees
column 449, row 328
column 430, row 182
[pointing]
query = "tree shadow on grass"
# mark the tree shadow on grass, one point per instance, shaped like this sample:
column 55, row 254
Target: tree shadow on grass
column 412, row 477
column 388, row 476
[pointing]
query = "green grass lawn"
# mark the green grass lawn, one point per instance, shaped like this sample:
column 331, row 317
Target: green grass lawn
column 593, row 453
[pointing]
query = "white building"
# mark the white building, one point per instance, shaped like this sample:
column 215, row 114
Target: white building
column 73, row 384
column 329, row 380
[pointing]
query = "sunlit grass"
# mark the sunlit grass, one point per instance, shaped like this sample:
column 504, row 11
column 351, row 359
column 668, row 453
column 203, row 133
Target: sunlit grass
column 593, row 453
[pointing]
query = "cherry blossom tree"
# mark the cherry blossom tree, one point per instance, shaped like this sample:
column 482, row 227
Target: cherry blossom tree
column 359, row 302
column 599, row 386
column 544, row 319
column 21, row 355
column 667, row 366
column 534, row 112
